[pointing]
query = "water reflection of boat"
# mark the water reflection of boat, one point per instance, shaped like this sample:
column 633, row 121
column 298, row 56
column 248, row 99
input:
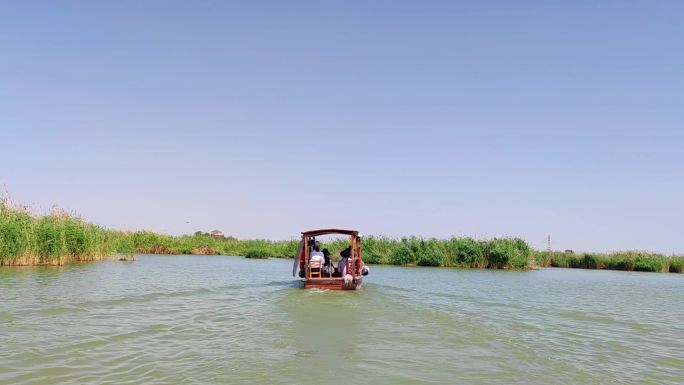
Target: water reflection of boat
column 317, row 275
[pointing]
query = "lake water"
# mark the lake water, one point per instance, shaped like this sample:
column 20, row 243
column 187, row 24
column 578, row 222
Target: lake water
column 230, row 320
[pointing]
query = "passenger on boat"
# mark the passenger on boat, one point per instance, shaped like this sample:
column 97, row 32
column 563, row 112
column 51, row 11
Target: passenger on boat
column 342, row 264
column 317, row 254
column 328, row 268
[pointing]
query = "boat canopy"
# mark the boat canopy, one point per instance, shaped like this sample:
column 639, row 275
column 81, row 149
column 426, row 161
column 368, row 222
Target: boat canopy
column 315, row 233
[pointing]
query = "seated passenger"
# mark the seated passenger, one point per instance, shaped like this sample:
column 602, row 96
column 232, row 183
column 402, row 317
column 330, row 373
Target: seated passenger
column 342, row 264
column 328, row 268
column 316, row 254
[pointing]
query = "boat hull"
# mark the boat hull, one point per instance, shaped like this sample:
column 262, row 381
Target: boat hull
column 332, row 284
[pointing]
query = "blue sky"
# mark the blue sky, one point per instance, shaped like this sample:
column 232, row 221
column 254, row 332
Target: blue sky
column 263, row 119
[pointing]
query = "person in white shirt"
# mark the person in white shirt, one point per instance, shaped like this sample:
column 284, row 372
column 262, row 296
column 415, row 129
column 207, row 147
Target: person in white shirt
column 317, row 254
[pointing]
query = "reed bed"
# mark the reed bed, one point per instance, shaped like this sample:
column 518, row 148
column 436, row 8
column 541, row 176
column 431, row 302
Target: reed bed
column 52, row 239
column 58, row 238
column 622, row 260
column 499, row 253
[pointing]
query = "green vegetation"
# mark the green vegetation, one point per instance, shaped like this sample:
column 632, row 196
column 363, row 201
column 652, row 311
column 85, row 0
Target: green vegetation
column 147, row 242
column 52, row 239
column 498, row 253
column 627, row 260
column 59, row 238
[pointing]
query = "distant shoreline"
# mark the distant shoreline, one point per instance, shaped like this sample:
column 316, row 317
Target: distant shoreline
column 59, row 238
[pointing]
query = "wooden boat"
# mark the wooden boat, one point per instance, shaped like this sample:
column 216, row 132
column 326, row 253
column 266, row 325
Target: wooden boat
column 315, row 276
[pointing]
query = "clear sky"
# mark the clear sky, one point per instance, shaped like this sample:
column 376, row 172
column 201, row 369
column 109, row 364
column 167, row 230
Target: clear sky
column 263, row 119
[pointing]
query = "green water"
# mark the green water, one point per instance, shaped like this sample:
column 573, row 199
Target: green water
column 229, row 320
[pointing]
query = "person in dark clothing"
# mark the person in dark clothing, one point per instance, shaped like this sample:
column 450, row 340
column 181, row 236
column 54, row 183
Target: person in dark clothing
column 327, row 265
column 342, row 264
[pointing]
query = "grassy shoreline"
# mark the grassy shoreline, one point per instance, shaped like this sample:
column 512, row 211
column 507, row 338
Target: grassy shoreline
column 623, row 260
column 59, row 238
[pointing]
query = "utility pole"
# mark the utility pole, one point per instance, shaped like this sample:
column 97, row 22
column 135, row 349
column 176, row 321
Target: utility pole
column 548, row 243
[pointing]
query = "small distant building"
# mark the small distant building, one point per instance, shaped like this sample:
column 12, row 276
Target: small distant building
column 216, row 233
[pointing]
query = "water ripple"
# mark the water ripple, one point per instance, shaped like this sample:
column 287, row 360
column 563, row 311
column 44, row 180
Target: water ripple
column 217, row 320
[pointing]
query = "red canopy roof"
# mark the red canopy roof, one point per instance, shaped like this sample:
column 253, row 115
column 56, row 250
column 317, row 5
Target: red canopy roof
column 313, row 233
